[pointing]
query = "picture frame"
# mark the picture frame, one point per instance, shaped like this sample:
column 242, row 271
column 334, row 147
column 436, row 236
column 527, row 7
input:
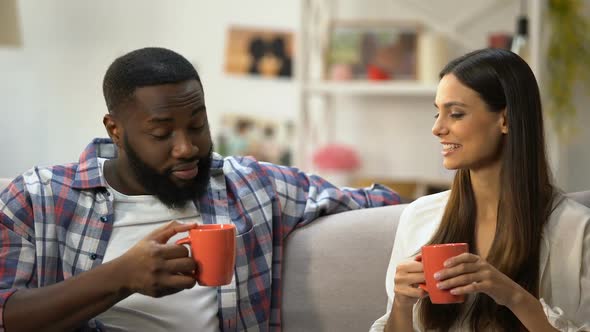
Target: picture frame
column 263, row 138
column 372, row 50
column 262, row 52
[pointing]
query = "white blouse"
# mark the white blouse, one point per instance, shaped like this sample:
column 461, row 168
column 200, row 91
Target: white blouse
column 564, row 269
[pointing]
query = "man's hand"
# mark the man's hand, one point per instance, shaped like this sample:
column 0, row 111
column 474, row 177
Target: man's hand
column 151, row 267
column 154, row 268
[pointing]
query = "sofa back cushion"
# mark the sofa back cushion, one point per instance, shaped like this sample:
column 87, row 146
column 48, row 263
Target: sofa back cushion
column 334, row 272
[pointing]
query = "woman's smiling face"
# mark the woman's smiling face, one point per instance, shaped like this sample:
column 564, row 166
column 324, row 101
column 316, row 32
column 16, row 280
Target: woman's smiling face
column 471, row 135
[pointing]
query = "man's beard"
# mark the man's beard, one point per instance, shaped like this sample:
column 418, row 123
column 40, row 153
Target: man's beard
column 162, row 186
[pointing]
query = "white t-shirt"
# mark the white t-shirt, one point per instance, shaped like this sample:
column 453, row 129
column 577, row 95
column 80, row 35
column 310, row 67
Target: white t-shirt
column 564, row 259
column 188, row 310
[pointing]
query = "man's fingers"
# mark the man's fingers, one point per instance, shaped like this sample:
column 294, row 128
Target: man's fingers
column 181, row 265
column 173, row 283
column 164, row 233
column 172, row 251
column 179, row 281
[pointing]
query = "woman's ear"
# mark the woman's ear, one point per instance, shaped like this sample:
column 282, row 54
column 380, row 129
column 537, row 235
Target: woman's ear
column 113, row 129
column 504, row 122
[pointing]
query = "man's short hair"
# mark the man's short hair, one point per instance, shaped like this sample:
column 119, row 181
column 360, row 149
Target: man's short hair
column 144, row 67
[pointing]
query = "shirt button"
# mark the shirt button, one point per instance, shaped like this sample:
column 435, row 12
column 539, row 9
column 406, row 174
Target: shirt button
column 93, row 256
column 104, row 219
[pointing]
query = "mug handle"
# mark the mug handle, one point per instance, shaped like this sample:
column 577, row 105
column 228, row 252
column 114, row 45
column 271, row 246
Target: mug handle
column 185, row 240
column 423, row 285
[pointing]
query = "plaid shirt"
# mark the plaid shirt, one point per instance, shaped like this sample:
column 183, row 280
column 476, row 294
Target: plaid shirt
column 56, row 223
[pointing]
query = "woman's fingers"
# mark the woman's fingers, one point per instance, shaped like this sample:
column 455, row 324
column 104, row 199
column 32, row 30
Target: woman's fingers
column 457, row 270
column 409, row 267
column 413, row 292
column 459, row 281
column 461, row 259
column 407, row 277
column 467, row 289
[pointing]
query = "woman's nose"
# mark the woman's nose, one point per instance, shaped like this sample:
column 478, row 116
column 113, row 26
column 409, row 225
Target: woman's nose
column 439, row 128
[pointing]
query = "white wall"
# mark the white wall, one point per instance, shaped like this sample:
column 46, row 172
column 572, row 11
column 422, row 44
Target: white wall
column 51, row 99
column 50, row 88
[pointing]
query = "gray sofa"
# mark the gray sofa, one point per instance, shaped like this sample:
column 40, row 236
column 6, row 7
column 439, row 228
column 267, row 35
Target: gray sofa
column 334, row 271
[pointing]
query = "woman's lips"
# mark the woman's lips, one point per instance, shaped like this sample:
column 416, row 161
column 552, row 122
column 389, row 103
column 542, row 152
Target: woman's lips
column 449, row 148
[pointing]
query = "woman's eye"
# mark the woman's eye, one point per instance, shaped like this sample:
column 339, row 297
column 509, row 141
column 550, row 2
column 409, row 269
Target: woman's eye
column 436, row 116
column 457, row 115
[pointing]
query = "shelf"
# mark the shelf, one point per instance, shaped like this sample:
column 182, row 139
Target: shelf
column 369, row 88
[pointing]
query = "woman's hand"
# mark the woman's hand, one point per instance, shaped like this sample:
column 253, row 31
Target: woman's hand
column 468, row 273
column 407, row 277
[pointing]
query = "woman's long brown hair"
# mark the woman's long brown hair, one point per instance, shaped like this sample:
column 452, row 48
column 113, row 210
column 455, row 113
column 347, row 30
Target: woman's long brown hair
column 504, row 81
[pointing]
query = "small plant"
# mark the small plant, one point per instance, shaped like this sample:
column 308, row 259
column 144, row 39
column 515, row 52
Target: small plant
column 568, row 62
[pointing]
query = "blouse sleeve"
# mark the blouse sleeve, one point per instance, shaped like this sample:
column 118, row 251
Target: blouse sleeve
column 399, row 254
column 576, row 318
column 558, row 320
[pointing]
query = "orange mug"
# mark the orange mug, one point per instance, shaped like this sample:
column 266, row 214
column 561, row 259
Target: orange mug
column 213, row 247
column 433, row 258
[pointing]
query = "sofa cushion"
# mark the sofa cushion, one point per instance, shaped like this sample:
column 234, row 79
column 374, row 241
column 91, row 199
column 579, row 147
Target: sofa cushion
column 334, row 272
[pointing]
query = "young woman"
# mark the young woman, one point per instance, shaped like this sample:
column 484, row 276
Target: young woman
column 529, row 245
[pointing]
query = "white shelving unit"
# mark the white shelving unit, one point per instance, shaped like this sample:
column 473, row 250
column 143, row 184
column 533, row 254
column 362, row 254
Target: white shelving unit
column 451, row 18
column 370, row 88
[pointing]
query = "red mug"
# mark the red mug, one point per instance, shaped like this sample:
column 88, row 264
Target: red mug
column 213, row 247
column 433, row 258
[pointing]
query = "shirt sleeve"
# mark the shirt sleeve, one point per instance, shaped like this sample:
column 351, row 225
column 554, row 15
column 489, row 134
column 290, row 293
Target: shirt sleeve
column 303, row 198
column 17, row 251
column 399, row 254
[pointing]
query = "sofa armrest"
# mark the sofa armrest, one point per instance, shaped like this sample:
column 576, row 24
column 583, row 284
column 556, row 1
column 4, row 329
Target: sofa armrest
column 334, row 271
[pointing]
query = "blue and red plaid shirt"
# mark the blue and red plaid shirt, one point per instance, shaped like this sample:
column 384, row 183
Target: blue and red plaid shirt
column 56, row 223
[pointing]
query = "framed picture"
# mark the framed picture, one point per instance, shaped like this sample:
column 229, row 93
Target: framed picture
column 372, row 50
column 265, row 139
column 259, row 52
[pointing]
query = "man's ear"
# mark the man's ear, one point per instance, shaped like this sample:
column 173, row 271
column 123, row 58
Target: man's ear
column 504, row 122
column 114, row 128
